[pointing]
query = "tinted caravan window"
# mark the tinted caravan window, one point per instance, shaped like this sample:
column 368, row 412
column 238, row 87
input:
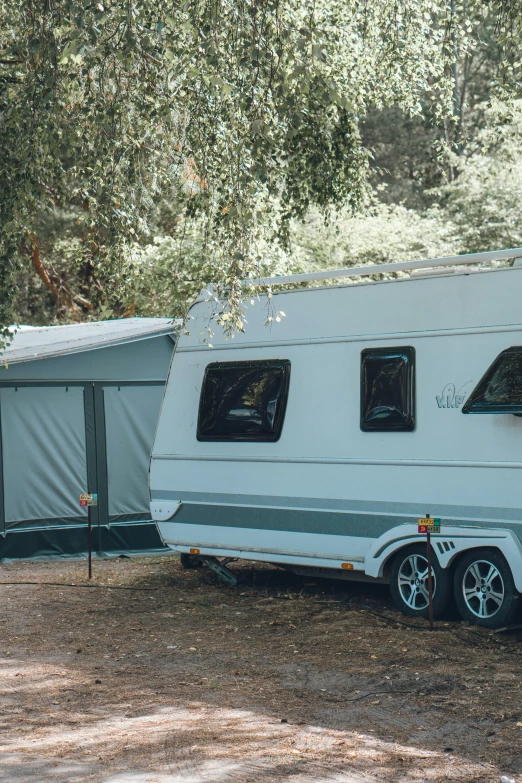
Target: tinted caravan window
column 243, row 400
column 387, row 389
column 500, row 389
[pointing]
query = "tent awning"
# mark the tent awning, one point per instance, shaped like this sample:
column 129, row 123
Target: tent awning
column 50, row 341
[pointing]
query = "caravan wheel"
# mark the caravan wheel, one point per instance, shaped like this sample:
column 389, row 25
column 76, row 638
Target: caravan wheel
column 485, row 592
column 409, row 582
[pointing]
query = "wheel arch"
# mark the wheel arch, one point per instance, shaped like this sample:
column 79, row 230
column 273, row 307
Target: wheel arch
column 462, row 553
column 388, row 562
column 449, row 547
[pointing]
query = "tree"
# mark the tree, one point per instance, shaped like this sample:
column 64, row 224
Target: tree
column 412, row 155
column 483, row 203
column 479, row 210
column 246, row 112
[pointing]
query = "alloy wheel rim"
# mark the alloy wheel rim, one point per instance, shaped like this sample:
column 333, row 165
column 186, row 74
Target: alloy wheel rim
column 413, row 582
column 483, row 589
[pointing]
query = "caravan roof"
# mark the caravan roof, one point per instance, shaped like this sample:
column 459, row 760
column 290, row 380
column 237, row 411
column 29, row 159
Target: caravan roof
column 446, row 264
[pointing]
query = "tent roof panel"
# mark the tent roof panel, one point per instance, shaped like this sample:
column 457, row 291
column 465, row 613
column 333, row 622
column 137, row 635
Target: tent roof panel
column 30, row 344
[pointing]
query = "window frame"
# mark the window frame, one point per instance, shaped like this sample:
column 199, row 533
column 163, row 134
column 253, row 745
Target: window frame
column 281, row 364
column 410, row 423
column 471, row 407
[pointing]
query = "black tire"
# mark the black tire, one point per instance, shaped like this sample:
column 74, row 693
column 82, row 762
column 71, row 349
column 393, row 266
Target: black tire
column 410, row 595
column 189, row 561
column 485, row 592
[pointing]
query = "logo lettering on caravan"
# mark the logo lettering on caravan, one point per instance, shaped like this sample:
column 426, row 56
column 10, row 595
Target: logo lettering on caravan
column 450, row 397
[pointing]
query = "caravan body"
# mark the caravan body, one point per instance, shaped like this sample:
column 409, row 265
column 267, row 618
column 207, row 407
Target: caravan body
column 319, row 440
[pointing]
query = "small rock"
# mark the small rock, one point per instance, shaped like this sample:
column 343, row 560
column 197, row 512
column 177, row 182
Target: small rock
column 79, row 650
column 97, row 682
column 284, row 720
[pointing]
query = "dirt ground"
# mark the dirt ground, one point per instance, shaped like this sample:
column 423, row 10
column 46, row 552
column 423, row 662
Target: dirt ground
column 283, row 678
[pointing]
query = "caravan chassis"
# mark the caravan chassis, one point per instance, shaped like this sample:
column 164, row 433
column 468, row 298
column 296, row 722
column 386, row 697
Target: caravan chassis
column 451, row 548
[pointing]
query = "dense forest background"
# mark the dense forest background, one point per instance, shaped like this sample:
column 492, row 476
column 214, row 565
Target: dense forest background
column 435, row 185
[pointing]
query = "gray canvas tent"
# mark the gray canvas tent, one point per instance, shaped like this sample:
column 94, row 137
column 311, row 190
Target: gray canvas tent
column 78, row 412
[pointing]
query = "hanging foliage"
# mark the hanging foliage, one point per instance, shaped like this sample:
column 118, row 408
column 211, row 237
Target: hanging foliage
column 245, row 112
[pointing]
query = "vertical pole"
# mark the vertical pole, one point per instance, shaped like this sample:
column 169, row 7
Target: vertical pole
column 89, row 539
column 430, row 580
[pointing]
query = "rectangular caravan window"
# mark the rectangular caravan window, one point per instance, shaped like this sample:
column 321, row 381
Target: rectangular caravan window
column 243, row 401
column 500, row 389
column 387, row 389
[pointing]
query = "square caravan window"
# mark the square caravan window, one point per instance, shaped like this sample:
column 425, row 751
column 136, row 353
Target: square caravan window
column 500, row 389
column 243, row 401
column 387, row 389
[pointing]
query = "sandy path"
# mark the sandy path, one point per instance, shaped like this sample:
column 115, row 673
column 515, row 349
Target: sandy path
column 280, row 679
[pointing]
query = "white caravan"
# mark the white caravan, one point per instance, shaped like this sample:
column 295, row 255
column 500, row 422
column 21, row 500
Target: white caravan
column 319, row 441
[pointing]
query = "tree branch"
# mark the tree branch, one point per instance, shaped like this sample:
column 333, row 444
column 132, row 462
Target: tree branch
column 62, row 293
column 40, row 269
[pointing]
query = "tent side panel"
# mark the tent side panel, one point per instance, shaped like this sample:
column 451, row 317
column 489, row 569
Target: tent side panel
column 43, row 444
column 131, row 415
